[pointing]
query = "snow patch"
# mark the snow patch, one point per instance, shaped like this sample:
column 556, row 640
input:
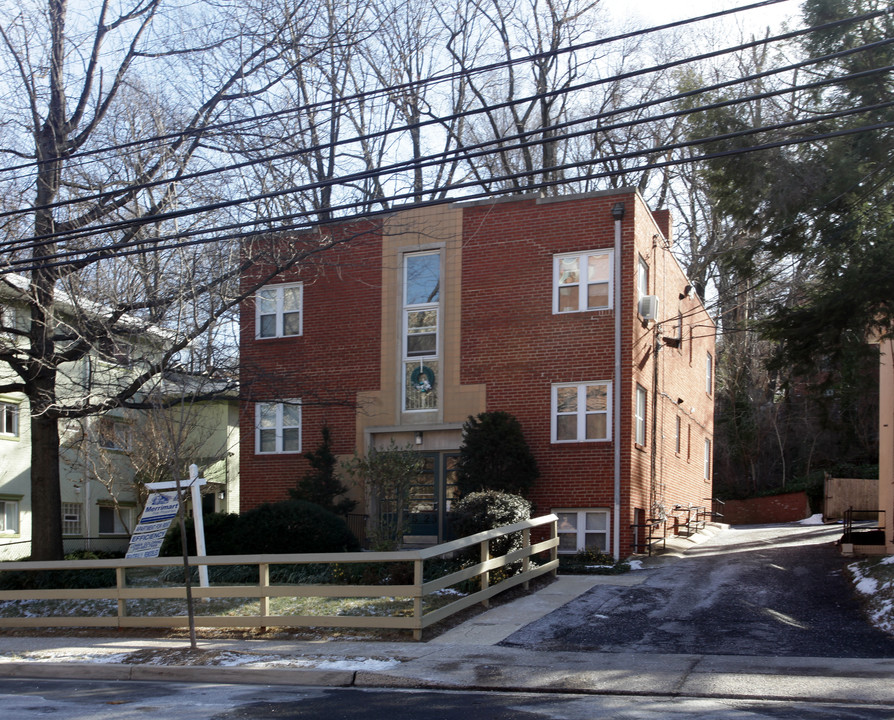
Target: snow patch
column 867, row 586
column 812, row 520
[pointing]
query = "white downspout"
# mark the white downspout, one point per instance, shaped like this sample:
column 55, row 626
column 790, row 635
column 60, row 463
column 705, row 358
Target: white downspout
column 618, row 215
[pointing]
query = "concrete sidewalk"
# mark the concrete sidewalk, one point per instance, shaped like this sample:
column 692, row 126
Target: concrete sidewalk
column 465, row 657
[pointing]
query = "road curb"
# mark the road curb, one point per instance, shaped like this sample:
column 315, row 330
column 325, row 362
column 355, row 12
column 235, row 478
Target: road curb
column 180, row 673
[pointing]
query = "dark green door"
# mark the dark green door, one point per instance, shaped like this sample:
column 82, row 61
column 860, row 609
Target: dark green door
column 432, row 496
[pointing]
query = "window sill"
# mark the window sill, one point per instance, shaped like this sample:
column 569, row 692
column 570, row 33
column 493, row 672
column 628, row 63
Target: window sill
column 580, row 442
column 641, row 448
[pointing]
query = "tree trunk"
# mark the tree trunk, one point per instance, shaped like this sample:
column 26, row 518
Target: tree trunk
column 46, row 502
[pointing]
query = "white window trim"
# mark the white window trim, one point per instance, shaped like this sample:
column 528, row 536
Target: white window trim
column 707, row 459
column 80, row 518
column 581, row 530
column 639, row 418
column 121, row 430
column 10, row 507
column 406, row 309
column 583, row 295
column 581, row 412
column 709, row 373
column 279, row 428
column 280, row 292
column 642, row 268
column 128, row 520
column 4, row 432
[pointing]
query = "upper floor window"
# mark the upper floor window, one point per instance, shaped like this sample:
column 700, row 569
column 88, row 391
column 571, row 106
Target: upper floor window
column 278, row 311
column 9, row 419
column 582, row 281
column 421, row 329
column 642, row 279
column 709, row 374
column 114, row 434
column 640, row 417
column 278, row 427
column 8, row 317
column 580, row 412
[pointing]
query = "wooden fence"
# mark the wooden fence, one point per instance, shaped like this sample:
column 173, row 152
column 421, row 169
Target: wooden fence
column 844, row 493
column 418, row 592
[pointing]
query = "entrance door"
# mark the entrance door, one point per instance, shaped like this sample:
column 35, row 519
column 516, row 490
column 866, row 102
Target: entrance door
column 431, row 498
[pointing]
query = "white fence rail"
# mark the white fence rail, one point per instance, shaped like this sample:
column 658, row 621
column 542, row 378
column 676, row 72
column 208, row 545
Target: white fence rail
column 415, row 619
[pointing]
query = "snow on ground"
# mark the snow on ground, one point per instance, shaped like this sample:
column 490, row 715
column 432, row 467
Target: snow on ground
column 217, row 658
column 873, row 579
column 812, row 520
column 635, row 564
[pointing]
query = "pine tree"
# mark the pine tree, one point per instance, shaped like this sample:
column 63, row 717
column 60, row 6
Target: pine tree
column 321, row 486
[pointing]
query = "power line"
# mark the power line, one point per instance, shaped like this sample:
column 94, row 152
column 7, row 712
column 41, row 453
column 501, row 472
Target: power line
column 136, row 247
column 444, row 77
column 464, row 153
column 441, row 120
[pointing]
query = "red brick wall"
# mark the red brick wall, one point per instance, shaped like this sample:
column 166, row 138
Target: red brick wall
column 336, row 356
column 511, row 342
column 789, row 507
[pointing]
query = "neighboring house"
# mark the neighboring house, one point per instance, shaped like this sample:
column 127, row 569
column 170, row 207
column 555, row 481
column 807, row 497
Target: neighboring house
column 101, row 497
column 547, row 308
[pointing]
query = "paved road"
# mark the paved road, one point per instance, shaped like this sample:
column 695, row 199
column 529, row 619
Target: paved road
column 104, row 700
column 761, row 590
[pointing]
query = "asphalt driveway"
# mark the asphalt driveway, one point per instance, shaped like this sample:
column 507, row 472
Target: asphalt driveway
column 751, row 590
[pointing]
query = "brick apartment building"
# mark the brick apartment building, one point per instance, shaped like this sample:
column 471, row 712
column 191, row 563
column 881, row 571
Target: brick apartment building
column 548, row 308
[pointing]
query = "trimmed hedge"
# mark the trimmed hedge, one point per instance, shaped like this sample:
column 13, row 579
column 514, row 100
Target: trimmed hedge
column 291, row 526
column 488, row 510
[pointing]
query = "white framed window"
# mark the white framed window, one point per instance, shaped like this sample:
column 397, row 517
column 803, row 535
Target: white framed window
column 420, row 332
column 71, row 518
column 583, row 529
column 114, row 434
column 709, row 373
column 9, row 419
column 278, row 427
column 8, row 317
column 9, row 515
column 642, row 397
column 278, row 310
column 581, row 412
column 642, row 279
column 582, row 281
column 115, row 522
column 707, row 459
column 678, row 434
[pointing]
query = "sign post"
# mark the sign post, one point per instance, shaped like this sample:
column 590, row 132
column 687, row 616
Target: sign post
column 194, row 484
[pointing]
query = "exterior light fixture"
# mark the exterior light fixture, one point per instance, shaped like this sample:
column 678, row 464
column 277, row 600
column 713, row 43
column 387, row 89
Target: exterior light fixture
column 418, row 437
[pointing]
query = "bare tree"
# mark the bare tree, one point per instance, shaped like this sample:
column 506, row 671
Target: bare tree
column 110, row 269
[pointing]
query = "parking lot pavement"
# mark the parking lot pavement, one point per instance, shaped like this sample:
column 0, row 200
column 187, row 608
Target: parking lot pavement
column 776, row 590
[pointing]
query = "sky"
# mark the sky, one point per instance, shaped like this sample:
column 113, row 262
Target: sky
column 648, row 13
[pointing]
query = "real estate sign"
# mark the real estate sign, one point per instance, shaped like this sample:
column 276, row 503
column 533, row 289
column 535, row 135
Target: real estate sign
column 148, row 535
